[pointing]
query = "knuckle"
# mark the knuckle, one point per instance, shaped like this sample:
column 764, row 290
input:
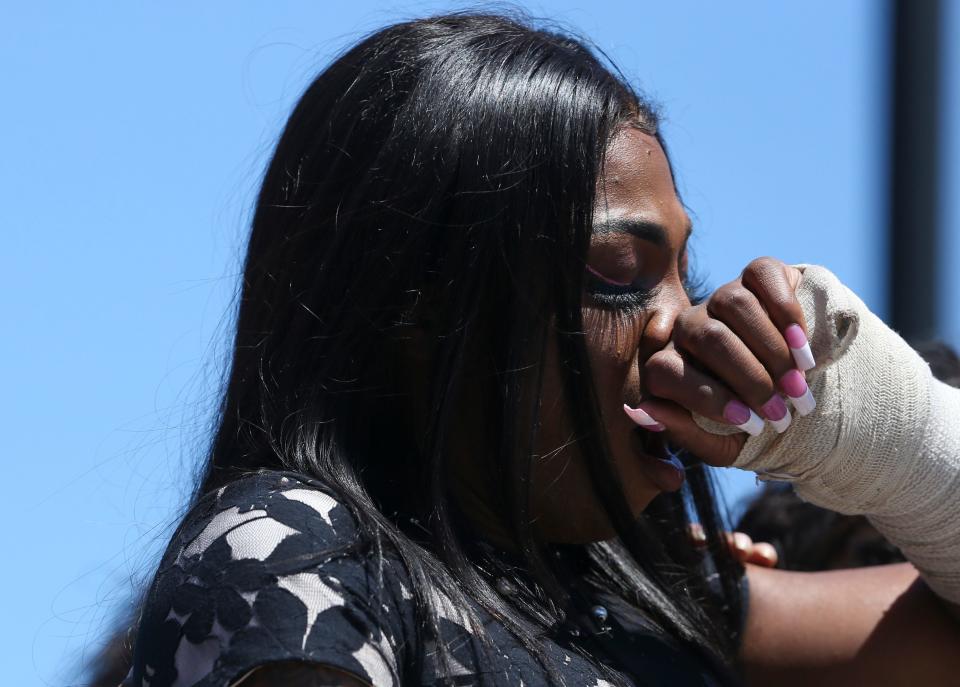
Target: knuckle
column 710, row 333
column 761, row 271
column 694, row 332
column 734, row 299
column 761, row 266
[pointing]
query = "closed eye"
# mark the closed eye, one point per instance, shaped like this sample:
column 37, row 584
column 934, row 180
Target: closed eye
column 608, row 280
column 613, row 295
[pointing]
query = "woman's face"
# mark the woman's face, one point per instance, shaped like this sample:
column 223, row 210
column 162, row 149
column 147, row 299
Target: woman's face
column 635, row 289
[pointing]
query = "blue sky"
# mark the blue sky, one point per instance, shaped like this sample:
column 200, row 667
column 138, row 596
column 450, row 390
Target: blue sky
column 134, row 135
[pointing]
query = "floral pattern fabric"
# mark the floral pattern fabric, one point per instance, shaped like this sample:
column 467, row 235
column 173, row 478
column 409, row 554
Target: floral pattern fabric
column 271, row 567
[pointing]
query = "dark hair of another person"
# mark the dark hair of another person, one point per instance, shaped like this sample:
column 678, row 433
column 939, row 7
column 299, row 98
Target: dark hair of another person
column 810, row 538
column 443, row 173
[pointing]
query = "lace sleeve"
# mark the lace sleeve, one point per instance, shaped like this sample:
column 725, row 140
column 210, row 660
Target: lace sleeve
column 271, row 569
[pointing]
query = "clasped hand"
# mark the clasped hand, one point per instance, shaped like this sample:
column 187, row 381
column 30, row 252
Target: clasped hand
column 737, row 358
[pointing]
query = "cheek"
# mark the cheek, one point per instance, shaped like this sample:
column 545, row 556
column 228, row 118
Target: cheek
column 613, row 338
column 613, row 341
column 562, row 499
column 562, row 503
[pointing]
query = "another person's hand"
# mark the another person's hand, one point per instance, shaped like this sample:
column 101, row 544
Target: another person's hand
column 743, row 548
column 735, row 358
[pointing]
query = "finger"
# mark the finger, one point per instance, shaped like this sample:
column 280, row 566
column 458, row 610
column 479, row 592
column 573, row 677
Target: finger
column 739, row 309
column 681, row 431
column 667, row 375
column 762, row 553
column 725, row 355
column 745, row 550
column 739, row 544
column 770, row 282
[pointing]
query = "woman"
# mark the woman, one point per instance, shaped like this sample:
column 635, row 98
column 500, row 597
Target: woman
column 465, row 322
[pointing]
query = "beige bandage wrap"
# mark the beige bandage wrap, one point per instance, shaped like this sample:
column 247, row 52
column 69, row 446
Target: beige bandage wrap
column 884, row 439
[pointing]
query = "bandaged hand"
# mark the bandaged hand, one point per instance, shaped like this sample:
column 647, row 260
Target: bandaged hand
column 884, row 439
column 871, row 430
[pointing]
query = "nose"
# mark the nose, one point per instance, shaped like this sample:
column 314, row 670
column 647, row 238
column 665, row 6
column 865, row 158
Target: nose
column 659, row 327
column 656, row 334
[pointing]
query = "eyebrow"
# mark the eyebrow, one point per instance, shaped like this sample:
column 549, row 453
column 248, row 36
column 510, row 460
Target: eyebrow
column 643, row 229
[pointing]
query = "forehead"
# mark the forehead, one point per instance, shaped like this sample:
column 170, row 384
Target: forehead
column 636, row 181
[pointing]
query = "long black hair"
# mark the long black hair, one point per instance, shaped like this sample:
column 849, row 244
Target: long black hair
column 440, row 176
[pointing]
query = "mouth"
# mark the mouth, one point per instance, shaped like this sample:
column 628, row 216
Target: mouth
column 649, row 443
column 659, row 464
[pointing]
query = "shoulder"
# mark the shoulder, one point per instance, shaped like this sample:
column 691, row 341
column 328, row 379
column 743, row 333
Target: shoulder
column 273, row 567
column 258, row 512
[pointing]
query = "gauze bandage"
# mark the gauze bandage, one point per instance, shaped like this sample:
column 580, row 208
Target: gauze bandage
column 884, row 439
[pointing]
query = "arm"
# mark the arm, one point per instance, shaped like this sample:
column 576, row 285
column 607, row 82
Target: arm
column 885, row 443
column 882, row 439
column 872, row 626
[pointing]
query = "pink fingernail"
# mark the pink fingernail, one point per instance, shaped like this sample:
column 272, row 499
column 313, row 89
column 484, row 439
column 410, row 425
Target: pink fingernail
column 795, row 336
column 799, row 346
column 793, row 384
column 643, row 418
column 775, row 408
column 796, row 388
column 776, row 411
column 741, row 416
column 736, row 413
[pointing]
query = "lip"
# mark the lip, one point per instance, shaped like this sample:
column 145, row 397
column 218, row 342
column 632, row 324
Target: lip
column 656, row 461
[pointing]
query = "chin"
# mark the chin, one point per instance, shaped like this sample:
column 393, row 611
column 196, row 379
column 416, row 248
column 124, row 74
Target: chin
column 587, row 522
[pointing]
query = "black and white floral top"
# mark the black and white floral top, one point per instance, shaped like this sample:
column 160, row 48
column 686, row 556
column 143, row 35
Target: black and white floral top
column 270, row 568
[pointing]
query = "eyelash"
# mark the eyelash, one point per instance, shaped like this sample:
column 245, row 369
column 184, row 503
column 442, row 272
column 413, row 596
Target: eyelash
column 616, row 297
column 634, row 299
